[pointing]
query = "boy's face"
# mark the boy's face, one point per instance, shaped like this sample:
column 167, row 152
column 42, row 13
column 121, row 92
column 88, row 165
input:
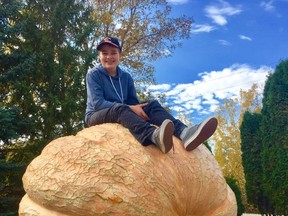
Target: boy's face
column 110, row 58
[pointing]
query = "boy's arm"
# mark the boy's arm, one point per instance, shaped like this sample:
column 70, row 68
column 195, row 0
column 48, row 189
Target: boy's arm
column 138, row 109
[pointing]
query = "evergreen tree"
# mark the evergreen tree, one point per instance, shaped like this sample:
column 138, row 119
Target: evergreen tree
column 46, row 78
column 235, row 188
column 251, row 146
column 13, row 125
column 44, row 59
column 275, row 139
column 11, row 190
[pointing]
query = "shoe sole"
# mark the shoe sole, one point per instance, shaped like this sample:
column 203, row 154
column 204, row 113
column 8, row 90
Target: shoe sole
column 204, row 132
column 167, row 134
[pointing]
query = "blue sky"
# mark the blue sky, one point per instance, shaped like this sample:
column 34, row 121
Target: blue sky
column 233, row 44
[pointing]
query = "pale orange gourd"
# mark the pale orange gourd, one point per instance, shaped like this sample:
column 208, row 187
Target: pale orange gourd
column 103, row 170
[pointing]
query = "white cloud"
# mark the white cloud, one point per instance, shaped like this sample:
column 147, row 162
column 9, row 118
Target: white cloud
column 229, row 81
column 177, row 2
column 224, row 42
column 219, row 13
column 268, row 5
column 202, row 28
column 162, row 87
column 272, row 6
column 243, row 37
column 204, row 95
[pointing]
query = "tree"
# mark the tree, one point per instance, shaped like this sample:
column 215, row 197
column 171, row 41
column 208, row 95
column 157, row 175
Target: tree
column 14, row 127
column 43, row 65
column 235, row 188
column 251, row 146
column 11, row 190
column 184, row 117
column 44, row 74
column 227, row 141
column 274, row 127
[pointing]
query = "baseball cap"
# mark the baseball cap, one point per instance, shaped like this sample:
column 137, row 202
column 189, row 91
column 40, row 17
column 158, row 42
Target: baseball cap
column 109, row 40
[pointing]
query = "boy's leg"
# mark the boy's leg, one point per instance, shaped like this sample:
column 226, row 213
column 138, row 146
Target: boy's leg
column 158, row 114
column 163, row 136
column 123, row 115
column 141, row 130
column 191, row 137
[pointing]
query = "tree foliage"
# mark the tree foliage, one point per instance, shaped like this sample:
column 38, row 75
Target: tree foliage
column 274, row 129
column 11, row 190
column 265, row 147
column 235, row 188
column 251, row 146
column 43, row 69
column 227, row 140
column 15, row 126
column 43, row 65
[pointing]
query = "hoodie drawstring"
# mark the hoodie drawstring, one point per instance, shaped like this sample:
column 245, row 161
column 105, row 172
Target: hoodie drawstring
column 121, row 91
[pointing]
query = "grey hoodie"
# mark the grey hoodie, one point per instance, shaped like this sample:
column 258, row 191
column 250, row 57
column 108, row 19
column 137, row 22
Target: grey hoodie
column 102, row 94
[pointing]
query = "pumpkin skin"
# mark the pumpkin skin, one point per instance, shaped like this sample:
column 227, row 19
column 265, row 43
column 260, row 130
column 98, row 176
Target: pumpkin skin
column 104, row 170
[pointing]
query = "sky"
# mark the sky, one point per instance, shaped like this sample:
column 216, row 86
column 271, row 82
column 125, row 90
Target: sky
column 233, row 44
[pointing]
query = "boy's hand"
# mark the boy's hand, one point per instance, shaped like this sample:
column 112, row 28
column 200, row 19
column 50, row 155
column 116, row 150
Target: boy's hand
column 138, row 109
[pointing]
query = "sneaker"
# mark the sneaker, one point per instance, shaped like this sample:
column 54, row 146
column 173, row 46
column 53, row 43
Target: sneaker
column 162, row 136
column 198, row 134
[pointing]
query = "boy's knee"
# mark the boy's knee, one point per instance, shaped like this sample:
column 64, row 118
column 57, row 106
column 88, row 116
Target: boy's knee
column 154, row 103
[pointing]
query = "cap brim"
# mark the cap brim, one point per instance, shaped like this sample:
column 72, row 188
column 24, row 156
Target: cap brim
column 107, row 43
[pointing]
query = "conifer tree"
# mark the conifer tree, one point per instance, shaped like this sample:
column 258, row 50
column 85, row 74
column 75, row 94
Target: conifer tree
column 12, row 124
column 274, row 129
column 46, row 72
column 251, row 146
column 43, row 64
column 235, row 188
column 46, row 49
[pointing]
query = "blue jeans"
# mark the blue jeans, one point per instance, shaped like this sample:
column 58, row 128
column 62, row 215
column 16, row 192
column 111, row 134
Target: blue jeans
column 140, row 129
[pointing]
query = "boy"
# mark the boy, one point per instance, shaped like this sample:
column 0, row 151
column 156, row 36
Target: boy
column 111, row 98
